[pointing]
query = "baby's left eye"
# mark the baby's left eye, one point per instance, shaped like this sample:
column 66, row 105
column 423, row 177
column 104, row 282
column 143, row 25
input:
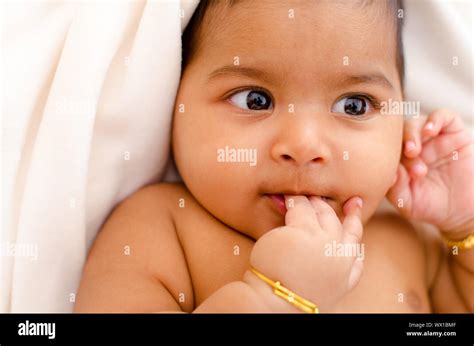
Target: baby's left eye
column 355, row 105
column 252, row 100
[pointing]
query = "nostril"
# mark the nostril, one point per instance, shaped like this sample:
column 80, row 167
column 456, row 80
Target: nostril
column 286, row 157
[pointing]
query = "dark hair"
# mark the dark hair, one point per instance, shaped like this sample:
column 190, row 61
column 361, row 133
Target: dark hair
column 192, row 34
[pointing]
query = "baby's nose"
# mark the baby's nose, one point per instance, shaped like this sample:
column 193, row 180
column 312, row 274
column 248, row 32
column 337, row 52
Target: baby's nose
column 300, row 142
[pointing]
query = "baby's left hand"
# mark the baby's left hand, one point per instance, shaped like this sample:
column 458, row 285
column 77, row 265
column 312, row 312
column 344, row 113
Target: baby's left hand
column 435, row 180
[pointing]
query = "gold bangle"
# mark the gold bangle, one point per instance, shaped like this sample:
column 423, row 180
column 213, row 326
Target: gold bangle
column 288, row 295
column 466, row 243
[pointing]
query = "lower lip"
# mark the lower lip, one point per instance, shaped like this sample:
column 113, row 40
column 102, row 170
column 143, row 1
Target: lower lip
column 279, row 203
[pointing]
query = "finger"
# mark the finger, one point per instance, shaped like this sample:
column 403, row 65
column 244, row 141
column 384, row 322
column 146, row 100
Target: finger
column 352, row 225
column 412, row 136
column 327, row 217
column 399, row 194
column 300, row 213
column 441, row 121
column 445, row 146
column 356, row 272
column 415, row 167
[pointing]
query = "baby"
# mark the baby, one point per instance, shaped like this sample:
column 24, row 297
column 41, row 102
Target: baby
column 286, row 152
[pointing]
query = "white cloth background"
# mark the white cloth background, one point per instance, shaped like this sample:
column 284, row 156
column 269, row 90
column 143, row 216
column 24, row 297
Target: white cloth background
column 88, row 94
column 87, row 97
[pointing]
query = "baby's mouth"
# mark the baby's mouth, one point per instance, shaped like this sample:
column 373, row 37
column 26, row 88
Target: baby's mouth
column 278, row 200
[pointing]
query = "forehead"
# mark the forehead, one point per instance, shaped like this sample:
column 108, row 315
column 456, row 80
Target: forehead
column 309, row 39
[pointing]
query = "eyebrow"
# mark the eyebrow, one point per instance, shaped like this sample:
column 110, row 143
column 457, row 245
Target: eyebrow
column 240, row 71
column 369, row 78
column 347, row 79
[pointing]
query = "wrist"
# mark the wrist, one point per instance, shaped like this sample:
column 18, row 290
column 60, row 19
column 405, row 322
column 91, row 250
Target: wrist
column 265, row 293
column 460, row 239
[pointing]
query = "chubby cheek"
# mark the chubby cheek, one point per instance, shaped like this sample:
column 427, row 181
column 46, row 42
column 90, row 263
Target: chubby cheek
column 218, row 167
column 372, row 167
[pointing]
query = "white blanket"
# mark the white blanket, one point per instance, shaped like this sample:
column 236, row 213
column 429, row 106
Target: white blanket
column 89, row 90
column 88, row 93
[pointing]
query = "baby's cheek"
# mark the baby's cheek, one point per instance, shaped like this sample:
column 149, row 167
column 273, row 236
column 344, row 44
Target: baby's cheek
column 374, row 175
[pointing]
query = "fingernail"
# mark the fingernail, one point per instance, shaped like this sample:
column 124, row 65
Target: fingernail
column 359, row 202
column 429, row 126
column 410, row 145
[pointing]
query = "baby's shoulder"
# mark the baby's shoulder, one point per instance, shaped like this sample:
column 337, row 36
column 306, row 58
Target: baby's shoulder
column 158, row 194
column 151, row 205
column 138, row 250
column 157, row 201
column 391, row 228
column 409, row 243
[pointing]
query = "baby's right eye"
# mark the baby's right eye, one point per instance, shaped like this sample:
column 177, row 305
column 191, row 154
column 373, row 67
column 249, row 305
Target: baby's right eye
column 251, row 99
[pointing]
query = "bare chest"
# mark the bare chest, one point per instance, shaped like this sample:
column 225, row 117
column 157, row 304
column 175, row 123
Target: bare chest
column 392, row 280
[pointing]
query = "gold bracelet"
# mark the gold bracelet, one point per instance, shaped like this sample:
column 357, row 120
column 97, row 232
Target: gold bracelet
column 288, row 295
column 466, row 243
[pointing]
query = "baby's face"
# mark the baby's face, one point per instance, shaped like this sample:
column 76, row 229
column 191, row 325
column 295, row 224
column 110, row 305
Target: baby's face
column 302, row 94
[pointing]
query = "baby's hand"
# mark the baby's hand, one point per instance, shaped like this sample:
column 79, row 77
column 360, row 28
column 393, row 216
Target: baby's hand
column 435, row 179
column 301, row 255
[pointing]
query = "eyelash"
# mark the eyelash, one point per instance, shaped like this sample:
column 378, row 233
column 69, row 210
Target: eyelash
column 374, row 102
column 248, row 88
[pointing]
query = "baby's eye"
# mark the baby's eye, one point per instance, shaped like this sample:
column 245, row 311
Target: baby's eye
column 354, row 105
column 251, row 100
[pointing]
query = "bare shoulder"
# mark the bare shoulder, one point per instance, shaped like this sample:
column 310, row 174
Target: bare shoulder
column 136, row 263
column 416, row 244
column 391, row 228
